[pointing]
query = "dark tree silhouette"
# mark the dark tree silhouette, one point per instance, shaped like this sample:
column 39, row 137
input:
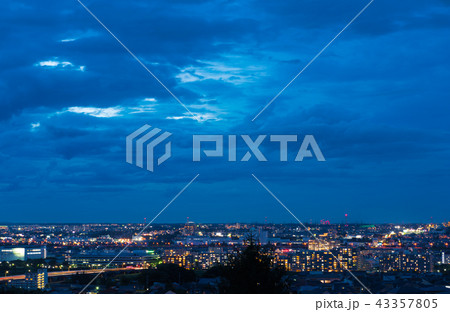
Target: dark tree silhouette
column 251, row 272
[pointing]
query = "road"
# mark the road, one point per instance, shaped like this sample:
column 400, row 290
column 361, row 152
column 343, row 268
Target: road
column 65, row 273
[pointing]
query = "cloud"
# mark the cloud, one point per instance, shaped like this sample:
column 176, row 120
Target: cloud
column 68, row 40
column 97, row 112
column 198, row 116
column 60, row 64
column 147, row 105
column 219, row 71
column 77, row 35
column 35, row 125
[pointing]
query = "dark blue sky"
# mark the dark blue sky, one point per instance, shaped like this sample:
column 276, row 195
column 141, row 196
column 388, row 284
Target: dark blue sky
column 377, row 102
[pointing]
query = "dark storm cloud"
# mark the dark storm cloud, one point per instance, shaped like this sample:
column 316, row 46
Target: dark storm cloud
column 34, row 31
column 376, row 102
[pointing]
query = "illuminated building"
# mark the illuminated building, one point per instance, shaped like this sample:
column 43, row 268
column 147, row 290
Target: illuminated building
column 198, row 259
column 401, row 261
column 445, row 258
column 22, row 253
column 100, row 259
column 283, row 261
column 189, row 229
column 322, row 245
column 200, row 240
column 33, row 280
column 211, row 257
column 179, row 257
column 348, row 257
column 310, row 260
column 365, row 263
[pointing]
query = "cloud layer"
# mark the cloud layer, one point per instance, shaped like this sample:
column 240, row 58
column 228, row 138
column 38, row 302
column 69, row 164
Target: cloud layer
column 376, row 102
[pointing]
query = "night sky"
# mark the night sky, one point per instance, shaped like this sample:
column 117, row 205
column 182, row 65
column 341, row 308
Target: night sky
column 376, row 101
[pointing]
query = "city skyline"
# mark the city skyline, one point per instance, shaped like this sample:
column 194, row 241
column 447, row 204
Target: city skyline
column 197, row 258
column 323, row 222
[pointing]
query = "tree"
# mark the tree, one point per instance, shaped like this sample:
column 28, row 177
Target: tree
column 251, row 272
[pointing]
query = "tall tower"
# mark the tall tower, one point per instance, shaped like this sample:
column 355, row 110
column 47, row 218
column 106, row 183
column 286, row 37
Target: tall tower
column 346, row 219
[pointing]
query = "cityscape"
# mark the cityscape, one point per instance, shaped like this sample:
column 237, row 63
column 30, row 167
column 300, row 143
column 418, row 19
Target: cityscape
column 281, row 155
column 194, row 258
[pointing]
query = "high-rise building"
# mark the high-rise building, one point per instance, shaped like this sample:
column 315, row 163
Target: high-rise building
column 32, row 281
column 336, row 260
column 400, row 261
